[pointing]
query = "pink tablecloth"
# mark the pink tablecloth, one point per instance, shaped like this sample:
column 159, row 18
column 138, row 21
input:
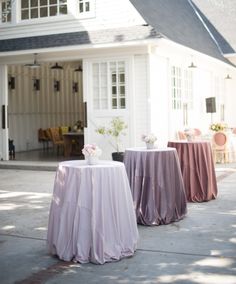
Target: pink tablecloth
column 198, row 169
column 92, row 218
column 156, row 184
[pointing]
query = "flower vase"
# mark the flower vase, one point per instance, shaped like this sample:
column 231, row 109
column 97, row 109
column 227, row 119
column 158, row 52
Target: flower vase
column 150, row 145
column 92, row 160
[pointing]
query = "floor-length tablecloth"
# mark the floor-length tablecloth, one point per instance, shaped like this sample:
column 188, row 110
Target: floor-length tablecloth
column 197, row 168
column 156, row 184
column 92, row 216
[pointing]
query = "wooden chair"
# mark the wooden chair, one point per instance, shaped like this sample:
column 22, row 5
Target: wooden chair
column 57, row 141
column 220, row 147
column 43, row 138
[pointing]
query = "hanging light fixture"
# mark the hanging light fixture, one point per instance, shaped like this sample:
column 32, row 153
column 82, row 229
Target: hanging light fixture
column 79, row 69
column 192, row 65
column 228, row 77
column 35, row 64
column 56, row 67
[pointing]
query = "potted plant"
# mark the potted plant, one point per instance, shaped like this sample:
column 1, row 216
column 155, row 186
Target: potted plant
column 116, row 129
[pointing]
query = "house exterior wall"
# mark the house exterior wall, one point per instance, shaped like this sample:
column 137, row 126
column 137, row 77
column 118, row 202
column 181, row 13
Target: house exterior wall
column 106, row 14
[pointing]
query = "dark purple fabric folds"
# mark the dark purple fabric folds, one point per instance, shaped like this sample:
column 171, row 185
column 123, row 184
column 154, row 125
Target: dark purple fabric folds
column 156, row 184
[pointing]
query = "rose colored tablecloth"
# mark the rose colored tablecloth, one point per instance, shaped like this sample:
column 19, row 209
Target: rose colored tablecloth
column 156, row 184
column 92, row 217
column 197, row 169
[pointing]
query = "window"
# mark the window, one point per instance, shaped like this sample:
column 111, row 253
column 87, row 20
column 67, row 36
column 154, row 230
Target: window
column 181, row 88
column 176, row 90
column 84, row 6
column 6, row 11
column 33, row 9
column 109, row 85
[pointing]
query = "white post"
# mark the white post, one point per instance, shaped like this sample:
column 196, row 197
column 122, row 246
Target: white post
column 4, row 155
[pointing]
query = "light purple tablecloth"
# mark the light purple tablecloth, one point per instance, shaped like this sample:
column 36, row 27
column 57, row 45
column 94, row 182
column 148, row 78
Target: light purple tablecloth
column 197, row 168
column 156, row 184
column 92, row 217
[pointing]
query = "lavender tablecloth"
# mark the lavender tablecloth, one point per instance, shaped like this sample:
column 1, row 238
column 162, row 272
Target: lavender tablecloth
column 197, row 168
column 92, row 217
column 156, row 184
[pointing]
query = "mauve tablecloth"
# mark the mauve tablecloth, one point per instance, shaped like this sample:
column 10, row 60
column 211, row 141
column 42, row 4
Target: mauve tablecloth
column 156, row 184
column 92, row 217
column 197, row 168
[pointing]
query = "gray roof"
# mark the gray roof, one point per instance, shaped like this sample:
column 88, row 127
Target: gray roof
column 79, row 38
column 178, row 21
column 220, row 17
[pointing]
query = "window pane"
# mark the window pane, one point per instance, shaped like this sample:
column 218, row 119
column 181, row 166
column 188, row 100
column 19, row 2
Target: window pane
column 122, row 78
column 43, row 2
column 113, row 78
column 33, row 3
column 34, row 13
column 52, row 2
column 81, row 8
column 87, row 7
column 63, row 9
column 122, row 90
column 114, row 103
column 43, row 12
column 53, row 10
column 24, row 3
column 25, row 14
column 122, row 103
column 114, row 90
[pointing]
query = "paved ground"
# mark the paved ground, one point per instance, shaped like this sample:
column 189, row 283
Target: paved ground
column 199, row 249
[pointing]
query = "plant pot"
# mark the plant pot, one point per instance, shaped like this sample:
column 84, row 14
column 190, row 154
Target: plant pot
column 118, row 156
column 150, row 145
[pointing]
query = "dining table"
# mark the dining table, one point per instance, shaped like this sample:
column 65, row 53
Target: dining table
column 91, row 217
column 73, row 143
column 198, row 170
column 156, row 185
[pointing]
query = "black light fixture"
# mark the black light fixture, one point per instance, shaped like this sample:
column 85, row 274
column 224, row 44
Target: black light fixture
column 11, row 83
column 56, row 67
column 79, row 69
column 36, row 84
column 35, row 64
column 228, row 77
column 192, row 65
column 56, row 85
column 75, row 87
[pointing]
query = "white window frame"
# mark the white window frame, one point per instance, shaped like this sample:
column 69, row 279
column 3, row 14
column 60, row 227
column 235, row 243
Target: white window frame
column 100, row 96
column 86, row 14
column 2, row 12
column 48, row 5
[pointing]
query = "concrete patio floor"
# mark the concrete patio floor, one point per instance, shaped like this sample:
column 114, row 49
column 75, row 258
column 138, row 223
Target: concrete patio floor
column 201, row 248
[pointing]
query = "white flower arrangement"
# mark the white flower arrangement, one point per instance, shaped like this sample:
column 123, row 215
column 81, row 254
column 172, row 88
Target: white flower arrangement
column 91, row 150
column 151, row 138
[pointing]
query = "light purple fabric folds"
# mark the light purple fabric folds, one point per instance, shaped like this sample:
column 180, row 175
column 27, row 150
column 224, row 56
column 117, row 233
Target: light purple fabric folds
column 198, row 170
column 92, row 218
column 156, row 184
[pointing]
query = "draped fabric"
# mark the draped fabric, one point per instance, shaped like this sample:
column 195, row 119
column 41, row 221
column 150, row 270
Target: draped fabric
column 198, row 170
column 92, row 218
column 156, row 184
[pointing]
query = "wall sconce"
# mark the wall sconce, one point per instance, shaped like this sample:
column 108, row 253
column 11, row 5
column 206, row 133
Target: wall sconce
column 228, row 77
column 192, row 65
column 36, row 84
column 56, row 86
column 79, row 69
column 57, row 67
column 11, row 83
column 75, row 87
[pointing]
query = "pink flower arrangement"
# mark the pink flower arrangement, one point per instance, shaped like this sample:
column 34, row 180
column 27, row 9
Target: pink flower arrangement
column 91, row 150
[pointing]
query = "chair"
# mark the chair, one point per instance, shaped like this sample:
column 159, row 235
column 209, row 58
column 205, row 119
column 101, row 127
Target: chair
column 197, row 133
column 63, row 130
column 43, row 138
column 220, row 147
column 234, row 130
column 182, row 135
column 57, row 141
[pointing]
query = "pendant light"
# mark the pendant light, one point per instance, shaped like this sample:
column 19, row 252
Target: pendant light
column 56, row 67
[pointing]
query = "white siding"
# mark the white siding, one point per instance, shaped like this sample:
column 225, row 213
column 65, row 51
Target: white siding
column 108, row 14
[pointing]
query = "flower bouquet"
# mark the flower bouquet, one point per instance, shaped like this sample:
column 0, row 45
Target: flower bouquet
column 218, row 127
column 91, row 153
column 149, row 140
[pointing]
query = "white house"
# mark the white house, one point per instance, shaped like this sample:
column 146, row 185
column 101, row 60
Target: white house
column 128, row 58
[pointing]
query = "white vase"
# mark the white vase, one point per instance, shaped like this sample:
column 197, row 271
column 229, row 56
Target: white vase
column 91, row 160
column 150, row 145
